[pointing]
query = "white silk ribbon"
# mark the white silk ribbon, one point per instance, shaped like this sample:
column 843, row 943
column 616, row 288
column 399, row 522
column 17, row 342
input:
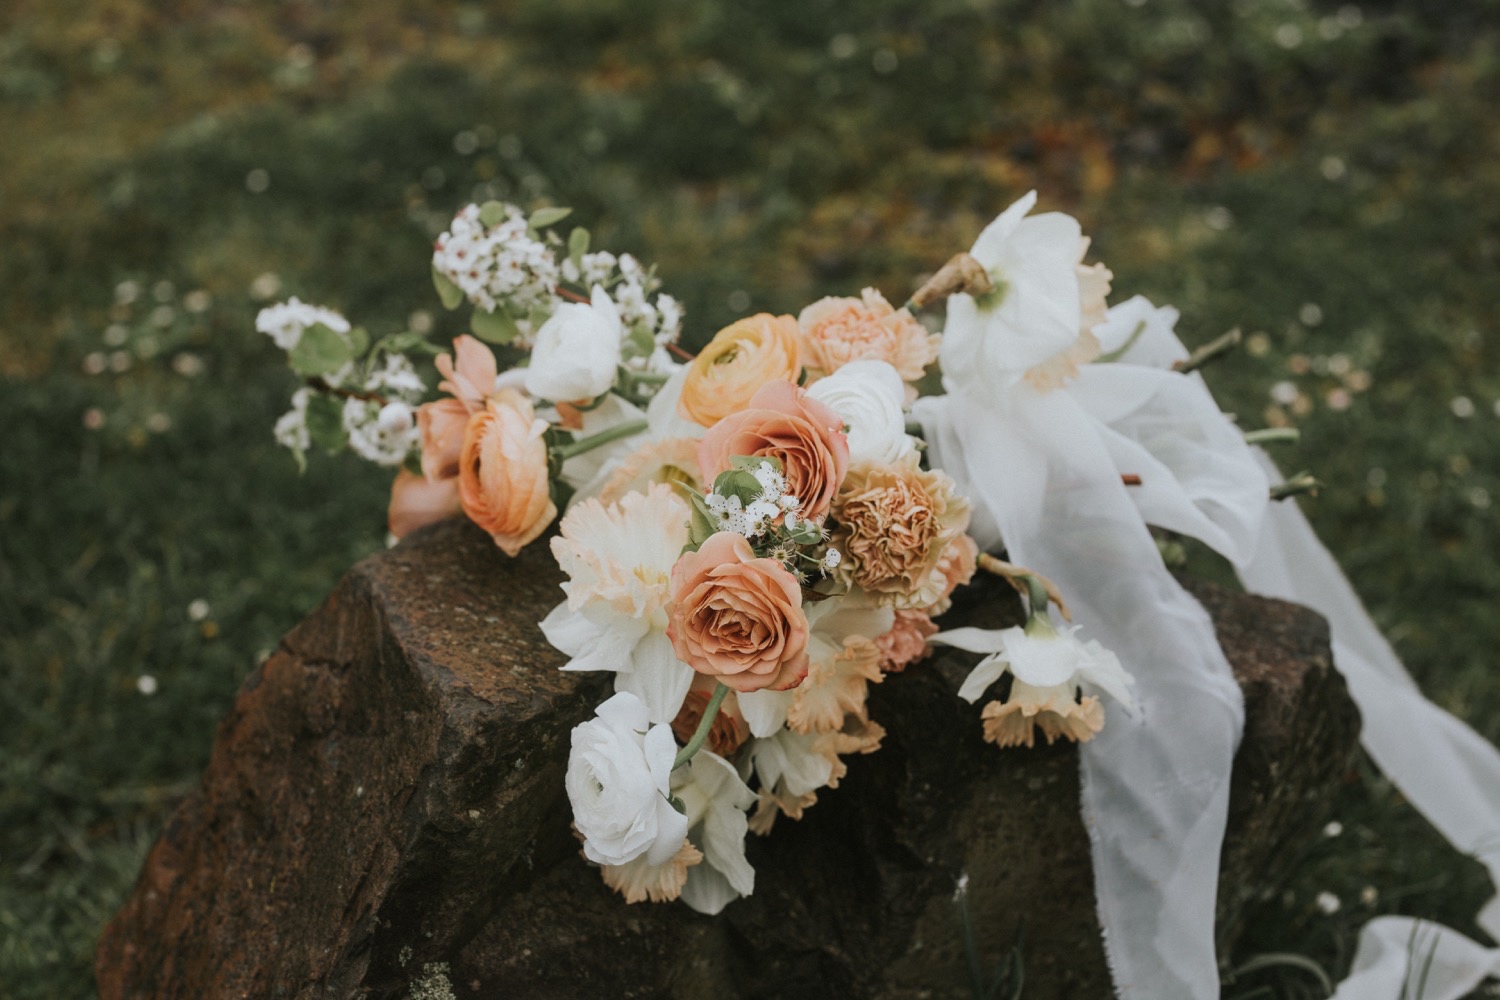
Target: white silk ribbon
column 1043, row 469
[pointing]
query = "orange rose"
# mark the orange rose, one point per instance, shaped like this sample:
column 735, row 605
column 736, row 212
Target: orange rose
column 738, row 618
column 836, row 331
column 502, row 477
column 783, row 422
column 740, row 359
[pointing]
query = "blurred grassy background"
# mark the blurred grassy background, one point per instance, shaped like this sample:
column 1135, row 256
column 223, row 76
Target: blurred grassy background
column 1324, row 175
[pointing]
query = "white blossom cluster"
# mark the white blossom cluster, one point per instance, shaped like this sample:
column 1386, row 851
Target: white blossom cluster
column 286, row 321
column 499, row 264
column 630, row 287
column 291, row 426
column 731, row 514
column 385, row 433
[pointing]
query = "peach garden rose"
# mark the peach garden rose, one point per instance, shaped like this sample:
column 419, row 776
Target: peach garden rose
column 738, row 618
column 784, row 423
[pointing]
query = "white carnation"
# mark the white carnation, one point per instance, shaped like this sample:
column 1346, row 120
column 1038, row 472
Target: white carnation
column 619, row 777
column 577, row 351
column 869, row 396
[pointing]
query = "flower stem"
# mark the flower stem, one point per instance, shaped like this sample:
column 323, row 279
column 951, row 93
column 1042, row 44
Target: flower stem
column 604, row 437
column 1274, row 435
column 700, row 735
column 1211, row 351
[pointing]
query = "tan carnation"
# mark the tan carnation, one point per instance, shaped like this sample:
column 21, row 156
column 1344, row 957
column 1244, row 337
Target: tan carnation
column 894, row 524
column 740, row 359
column 503, row 481
column 836, row 331
column 639, row 880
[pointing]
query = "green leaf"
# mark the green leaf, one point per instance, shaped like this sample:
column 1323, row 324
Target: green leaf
column 561, row 493
column 491, row 213
column 321, row 351
column 578, row 244
column 493, row 328
column 325, row 422
column 738, row 483
column 544, row 217
column 359, row 341
column 701, row 524
column 639, row 343
column 450, row 293
column 538, row 316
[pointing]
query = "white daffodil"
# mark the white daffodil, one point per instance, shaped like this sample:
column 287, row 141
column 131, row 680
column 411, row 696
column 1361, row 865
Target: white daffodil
column 1033, row 311
column 1139, row 333
column 1049, row 670
column 869, row 395
column 619, row 559
column 577, row 351
column 715, row 800
column 618, row 780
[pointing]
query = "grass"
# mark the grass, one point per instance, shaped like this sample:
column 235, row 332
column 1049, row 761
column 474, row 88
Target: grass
column 1322, row 176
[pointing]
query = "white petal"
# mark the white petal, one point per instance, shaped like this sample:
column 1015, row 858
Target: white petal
column 656, row 676
column 985, row 673
column 987, row 247
column 764, row 711
column 976, row 640
column 707, row 891
column 623, row 711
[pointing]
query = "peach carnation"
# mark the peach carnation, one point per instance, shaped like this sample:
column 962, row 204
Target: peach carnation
column 503, row 480
column 784, row 423
column 738, row 618
column 894, row 524
column 956, row 568
column 906, row 642
column 836, row 331
column 740, row 359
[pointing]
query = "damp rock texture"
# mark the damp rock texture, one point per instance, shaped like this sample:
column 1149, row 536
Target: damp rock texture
column 383, row 816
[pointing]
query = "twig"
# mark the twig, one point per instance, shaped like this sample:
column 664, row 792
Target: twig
column 1211, row 351
column 319, row 383
column 1302, row 482
column 1017, row 577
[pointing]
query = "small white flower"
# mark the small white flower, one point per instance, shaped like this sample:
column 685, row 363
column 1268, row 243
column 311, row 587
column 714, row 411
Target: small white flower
column 395, row 418
column 291, row 426
column 1040, row 656
column 1328, row 903
column 618, row 781
column 869, row 396
column 373, row 438
column 832, row 558
column 577, row 351
column 286, row 321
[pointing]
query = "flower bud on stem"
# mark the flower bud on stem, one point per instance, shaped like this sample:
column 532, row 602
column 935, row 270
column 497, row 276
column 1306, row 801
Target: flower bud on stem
column 700, row 735
column 1038, row 589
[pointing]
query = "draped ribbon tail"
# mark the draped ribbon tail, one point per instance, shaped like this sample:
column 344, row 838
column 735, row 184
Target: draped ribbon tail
column 1039, row 470
column 1445, row 769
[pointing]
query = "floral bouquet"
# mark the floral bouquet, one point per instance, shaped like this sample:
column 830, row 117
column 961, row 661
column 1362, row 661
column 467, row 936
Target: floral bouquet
column 754, row 535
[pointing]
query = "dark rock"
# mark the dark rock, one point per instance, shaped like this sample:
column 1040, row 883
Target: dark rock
column 387, row 795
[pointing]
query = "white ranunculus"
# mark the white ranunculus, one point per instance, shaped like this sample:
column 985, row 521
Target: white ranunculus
column 576, row 351
column 990, row 342
column 869, row 395
column 619, row 781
